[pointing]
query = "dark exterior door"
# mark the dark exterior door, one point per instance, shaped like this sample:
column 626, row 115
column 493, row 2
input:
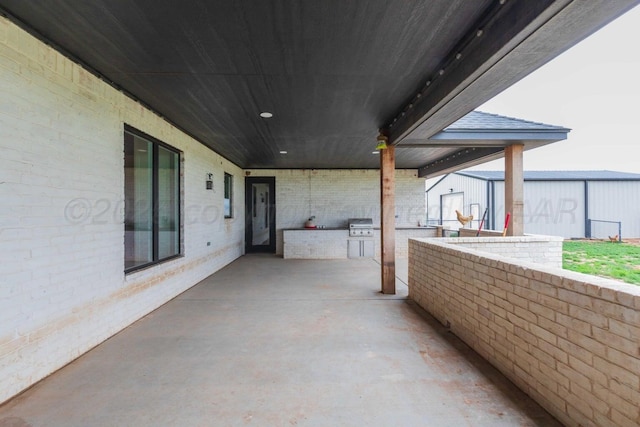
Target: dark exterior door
column 260, row 214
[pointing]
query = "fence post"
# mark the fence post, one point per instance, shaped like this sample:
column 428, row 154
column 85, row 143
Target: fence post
column 620, row 232
column 588, row 230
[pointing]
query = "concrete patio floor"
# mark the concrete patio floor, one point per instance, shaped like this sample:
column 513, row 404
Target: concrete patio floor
column 274, row 342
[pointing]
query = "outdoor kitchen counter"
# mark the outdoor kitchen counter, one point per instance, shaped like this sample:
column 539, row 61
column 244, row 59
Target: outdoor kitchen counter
column 316, row 229
column 315, row 243
column 332, row 243
column 346, row 229
column 410, row 228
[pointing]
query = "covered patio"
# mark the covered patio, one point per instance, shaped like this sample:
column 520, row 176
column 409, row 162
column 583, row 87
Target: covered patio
column 143, row 147
column 273, row 342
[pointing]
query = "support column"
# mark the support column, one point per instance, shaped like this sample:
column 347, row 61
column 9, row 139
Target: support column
column 514, row 188
column 388, row 219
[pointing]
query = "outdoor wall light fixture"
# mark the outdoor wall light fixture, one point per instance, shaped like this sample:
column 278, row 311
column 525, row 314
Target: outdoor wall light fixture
column 382, row 142
column 209, row 181
column 266, row 115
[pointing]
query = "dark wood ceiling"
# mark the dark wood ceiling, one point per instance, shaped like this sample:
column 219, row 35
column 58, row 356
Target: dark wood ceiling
column 331, row 71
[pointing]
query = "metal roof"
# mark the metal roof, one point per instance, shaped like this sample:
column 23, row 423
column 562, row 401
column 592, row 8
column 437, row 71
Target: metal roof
column 601, row 175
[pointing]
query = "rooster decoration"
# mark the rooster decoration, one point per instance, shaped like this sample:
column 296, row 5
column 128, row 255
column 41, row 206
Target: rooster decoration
column 463, row 219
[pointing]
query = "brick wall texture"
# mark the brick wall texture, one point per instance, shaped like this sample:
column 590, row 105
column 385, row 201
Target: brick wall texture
column 571, row 341
column 333, row 244
column 545, row 250
column 62, row 285
column 334, row 196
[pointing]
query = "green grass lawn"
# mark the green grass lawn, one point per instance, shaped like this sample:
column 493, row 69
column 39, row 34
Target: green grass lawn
column 619, row 261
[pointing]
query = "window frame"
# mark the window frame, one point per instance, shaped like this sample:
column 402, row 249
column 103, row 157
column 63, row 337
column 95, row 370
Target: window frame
column 155, row 202
column 228, row 175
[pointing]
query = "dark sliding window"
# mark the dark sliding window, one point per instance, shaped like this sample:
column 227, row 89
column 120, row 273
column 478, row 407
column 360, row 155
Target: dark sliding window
column 152, row 201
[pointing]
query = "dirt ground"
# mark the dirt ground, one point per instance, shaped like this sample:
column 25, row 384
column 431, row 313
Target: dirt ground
column 632, row 241
column 635, row 241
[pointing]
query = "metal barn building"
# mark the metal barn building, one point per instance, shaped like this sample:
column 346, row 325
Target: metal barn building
column 571, row 204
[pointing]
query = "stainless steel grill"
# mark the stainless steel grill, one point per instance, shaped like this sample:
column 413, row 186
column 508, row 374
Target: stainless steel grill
column 360, row 227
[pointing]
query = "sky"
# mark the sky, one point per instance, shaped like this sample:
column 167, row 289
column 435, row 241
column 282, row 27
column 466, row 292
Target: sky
column 593, row 89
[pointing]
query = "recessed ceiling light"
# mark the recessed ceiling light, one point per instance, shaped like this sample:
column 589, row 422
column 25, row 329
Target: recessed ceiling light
column 283, row 152
column 266, row 115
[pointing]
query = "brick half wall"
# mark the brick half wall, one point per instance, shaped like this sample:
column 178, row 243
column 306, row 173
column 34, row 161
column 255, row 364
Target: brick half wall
column 571, row 341
column 545, row 250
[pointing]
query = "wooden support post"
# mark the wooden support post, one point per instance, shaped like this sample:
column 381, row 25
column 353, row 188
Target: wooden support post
column 514, row 188
column 388, row 219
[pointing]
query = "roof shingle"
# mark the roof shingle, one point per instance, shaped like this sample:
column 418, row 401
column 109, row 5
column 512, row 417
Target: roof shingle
column 487, row 121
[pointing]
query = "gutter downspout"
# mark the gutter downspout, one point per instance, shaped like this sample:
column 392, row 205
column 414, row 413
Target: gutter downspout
column 493, row 205
column 486, row 205
column 587, row 222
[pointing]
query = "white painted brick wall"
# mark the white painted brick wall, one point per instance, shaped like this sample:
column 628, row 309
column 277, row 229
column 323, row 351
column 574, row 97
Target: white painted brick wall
column 545, row 250
column 315, row 244
column 333, row 244
column 334, row 196
column 569, row 340
column 62, row 286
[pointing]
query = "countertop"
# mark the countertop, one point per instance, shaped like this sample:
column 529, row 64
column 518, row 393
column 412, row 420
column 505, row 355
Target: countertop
column 346, row 229
column 316, row 229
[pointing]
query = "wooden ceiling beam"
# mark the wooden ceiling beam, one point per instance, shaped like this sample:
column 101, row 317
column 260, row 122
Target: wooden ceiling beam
column 493, row 36
column 452, row 144
column 462, row 158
